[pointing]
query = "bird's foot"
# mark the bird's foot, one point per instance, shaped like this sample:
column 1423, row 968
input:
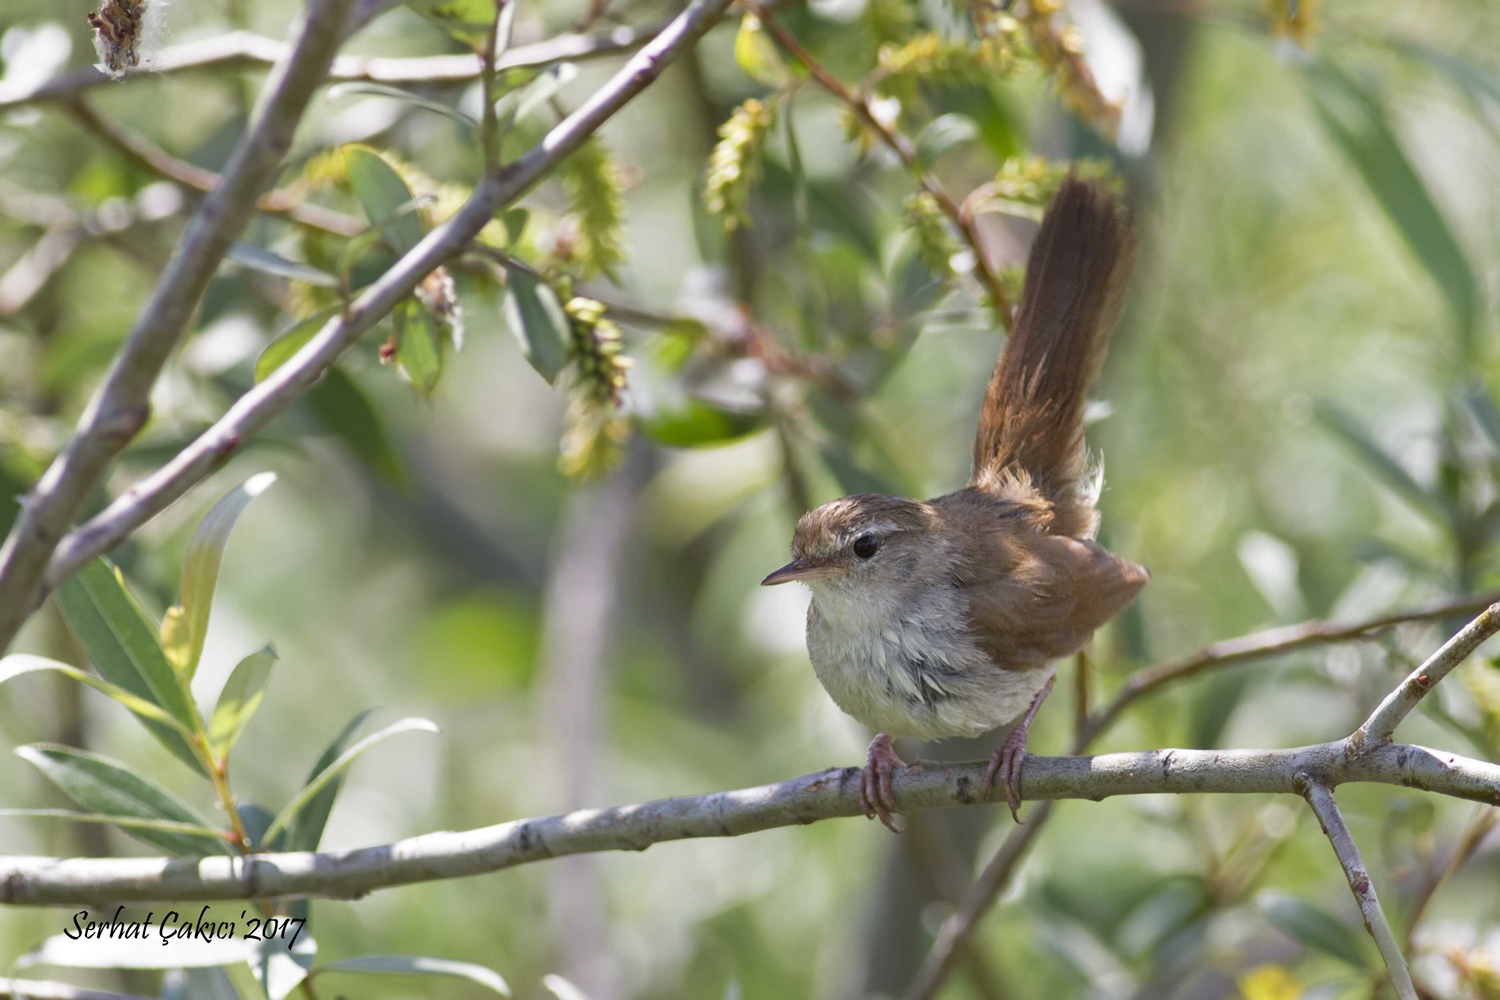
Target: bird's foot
column 1006, row 762
column 876, row 797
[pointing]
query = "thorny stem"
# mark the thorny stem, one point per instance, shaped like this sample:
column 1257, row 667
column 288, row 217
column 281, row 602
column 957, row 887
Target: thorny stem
column 899, row 145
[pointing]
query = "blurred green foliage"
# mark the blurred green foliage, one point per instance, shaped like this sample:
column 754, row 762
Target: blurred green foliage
column 1301, row 423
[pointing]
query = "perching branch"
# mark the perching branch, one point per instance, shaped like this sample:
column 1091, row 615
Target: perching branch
column 825, row 795
column 1320, row 798
column 253, row 410
column 245, row 50
column 122, row 405
column 959, row 927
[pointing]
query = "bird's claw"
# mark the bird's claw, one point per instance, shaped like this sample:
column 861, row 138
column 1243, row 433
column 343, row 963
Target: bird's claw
column 1005, row 764
column 876, row 797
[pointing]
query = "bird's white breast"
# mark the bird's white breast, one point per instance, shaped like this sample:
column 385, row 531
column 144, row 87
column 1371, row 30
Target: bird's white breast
column 907, row 666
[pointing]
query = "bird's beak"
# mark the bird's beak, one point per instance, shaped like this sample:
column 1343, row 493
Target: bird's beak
column 797, row 569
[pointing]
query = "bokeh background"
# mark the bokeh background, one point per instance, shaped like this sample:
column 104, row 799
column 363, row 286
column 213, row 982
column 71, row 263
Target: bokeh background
column 1300, row 422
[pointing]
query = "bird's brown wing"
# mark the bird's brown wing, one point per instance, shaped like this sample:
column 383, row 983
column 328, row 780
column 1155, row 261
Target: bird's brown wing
column 1035, row 597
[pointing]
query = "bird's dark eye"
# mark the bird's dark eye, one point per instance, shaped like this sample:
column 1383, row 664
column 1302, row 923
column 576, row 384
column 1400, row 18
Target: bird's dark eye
column 866, row 546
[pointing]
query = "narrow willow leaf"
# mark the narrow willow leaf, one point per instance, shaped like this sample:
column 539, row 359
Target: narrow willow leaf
column 200, row 568
column 289, row 341
column 699, row 425
column 537, row 319
column 24, row 663
column 562, row 989
column 467, row 20
column 1361, row 128
column 387, row 201
column 240, row 698
column 176, row 643
column 1312, row 927
column 529, row 97
column 1381, row 464
column 305, row 832
column 108, row 787
column 268, row 262
column 405, row 96
column 419, row 345
column 347, row 413
column 335, row 769
column 421, row 966
column 125, row 650
column 124, row 822
column 244, row 982
column 943, row 135
column 145, row 952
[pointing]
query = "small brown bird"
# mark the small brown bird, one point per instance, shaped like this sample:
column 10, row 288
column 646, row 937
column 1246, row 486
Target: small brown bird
column 943, row 618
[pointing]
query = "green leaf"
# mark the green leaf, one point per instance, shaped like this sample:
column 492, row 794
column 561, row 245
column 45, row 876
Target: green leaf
column 125, row 650
column 1382, row 465
column 124, row 822
column 1361, row 129
column 405, row 96
column 289, row 341
column 23, row 663
column 200, row 567
column 757, row 55
column 334, row 770
column 1312, row 927
column 267, row 262
column 943, row 135
column 537, row 319
column 419, row 345
column 387, row 201
column 422, row 966
column 306, row 830
column 698, row 425
column 108, row 787
column 107, row 952
column 467, row 20
column 562, row 989
column 514, row 220
column 240, row 698
column 348, row 414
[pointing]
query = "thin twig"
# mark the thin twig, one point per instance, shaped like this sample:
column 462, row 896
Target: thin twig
column 824, row 795
column 243, row 49
column 254, row 409
column 960, row 926
column 140, row 150
column 899, row 145
column 121, row 406
column 1321, row 799
column 1382, row 723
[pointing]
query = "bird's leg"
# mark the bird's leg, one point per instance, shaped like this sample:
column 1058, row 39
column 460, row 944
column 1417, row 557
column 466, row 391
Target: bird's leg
column 875, row 795
column 1008, row 759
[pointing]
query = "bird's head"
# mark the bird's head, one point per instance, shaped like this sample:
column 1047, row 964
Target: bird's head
column 863, row 541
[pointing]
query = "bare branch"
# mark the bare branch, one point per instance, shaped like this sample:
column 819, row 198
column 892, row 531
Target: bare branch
column 254, row 409
column 824, row 795
column 121, row 406
column 243, row 49
column 1320, row 798
column 1382, row 723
